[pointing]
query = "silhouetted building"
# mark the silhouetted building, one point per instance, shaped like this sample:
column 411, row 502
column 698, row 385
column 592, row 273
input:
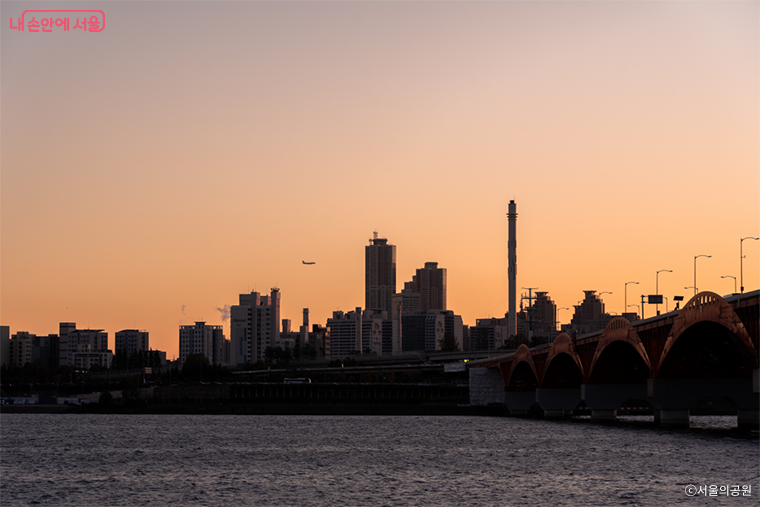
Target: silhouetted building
column 379, row 274
column 421, row 331
column 70, row 338
column 377, row 333
column 319, row 338
column 5, row 346
column 254, row 326
column 314, row 338
column 201, row 339
column 430, row 284
column 431, row 330
column 544, row 315
column 631, row 316
column 589, row 316
column 21, row 348
column 85, row 358
column 63, row 342
column 489, row 334
column 131, row 341
column 345, row 332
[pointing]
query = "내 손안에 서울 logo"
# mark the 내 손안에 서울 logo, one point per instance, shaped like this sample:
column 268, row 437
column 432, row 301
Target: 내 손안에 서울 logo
column 42, row 21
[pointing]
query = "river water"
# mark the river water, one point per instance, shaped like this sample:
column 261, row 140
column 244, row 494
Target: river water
column 125, row 460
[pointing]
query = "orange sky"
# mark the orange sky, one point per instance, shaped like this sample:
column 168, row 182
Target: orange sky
column 195, row 150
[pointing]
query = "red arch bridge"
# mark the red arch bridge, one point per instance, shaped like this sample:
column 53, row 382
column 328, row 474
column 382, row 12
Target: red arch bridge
column 676, row 362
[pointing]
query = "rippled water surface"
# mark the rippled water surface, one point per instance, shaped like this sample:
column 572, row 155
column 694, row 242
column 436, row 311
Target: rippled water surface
column 67, row 459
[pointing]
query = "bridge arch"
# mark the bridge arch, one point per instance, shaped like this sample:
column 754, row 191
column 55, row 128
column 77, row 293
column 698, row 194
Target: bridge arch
column 563, row 351
column 521, row 371
column 708, row 309
column 618, row 338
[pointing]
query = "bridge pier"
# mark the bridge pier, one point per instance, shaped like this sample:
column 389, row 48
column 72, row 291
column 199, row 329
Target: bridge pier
column 748, row 419
column 676, row 396
column 605, row 399
column 603, row 415
column 558, row 403
column 519, row 402
column 673, row 418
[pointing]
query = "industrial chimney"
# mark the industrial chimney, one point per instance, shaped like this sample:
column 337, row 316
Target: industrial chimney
column 512, row 268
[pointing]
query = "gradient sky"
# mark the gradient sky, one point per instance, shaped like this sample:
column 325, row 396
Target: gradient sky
column 193, row 151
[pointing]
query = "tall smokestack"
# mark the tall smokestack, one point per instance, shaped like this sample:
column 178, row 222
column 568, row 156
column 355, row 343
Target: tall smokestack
column 512, row 268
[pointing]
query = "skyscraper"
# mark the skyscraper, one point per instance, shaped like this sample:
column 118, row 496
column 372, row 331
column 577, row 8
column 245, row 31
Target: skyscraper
column 379, row 274
column 430, row 284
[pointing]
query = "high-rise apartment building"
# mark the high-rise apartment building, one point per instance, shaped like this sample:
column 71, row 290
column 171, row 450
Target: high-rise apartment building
column 345, row 330
column 25, row 347
column 379, row 274
column 377, row 333
column 489, row 334
column 590, row 316
column 70, row 339
column 64, row 328
column 254, row 326
column 5, row 346
column 21, row 348
column 131, row 341
column 544, row 313
column 201, row 339
column 430, row 284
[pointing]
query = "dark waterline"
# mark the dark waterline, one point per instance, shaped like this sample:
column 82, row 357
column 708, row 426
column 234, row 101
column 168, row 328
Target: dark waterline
column 77, row 459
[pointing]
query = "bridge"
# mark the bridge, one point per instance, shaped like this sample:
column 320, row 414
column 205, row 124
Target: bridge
column 706, row 352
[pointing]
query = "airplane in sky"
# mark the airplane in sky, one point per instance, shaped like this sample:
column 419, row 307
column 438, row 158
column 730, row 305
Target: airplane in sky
column 308, row 262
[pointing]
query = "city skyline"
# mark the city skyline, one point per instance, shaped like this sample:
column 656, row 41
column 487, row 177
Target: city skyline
column 167, row 169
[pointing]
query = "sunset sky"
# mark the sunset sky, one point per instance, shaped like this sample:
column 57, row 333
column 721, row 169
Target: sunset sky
column 193, row 151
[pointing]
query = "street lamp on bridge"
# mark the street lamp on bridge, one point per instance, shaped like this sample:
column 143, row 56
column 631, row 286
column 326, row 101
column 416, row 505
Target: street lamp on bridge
column 637, row 309
column 557, row 316
column 741, row 260
column 695, row 270
column 657, row 286
column 729, row 276
column 626, row 296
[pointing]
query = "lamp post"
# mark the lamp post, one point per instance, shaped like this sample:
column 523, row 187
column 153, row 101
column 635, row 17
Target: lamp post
column 657, row 286
column 695, row 270
column 729, row 276
column 741, row 258
column 637, row 309
column 557, row 314
column 626, row 296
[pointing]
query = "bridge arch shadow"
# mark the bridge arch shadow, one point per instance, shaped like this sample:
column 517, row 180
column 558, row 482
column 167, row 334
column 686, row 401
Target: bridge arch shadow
column 620, row 356
column 707, row 340
column 706, row 349
column 523, row 375
column 564, row 367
